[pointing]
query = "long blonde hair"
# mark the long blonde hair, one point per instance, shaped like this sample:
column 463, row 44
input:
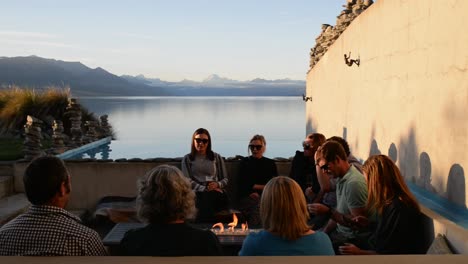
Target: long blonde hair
column 283, row 209
column 385, row 183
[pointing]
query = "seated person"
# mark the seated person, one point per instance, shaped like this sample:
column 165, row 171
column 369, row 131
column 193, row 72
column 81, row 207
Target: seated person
column 399, row 225
column 255, row 171
column 207, row 174
column 351, row 196
column 283, row 212
column 303, row 166
column 47, row 229
column 327, row 192
column 165, row 201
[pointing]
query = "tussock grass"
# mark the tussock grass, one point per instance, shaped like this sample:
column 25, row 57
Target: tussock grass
column 17, row 103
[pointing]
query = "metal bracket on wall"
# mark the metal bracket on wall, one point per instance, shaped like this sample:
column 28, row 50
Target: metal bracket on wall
column 350, row 61
column 306, row 98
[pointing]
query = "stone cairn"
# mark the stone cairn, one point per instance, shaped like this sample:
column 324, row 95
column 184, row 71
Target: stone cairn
column 73, row 112
column 58, row 137
column 329, row 34
column 105, row 128
column 32, row 146
column 91, row 134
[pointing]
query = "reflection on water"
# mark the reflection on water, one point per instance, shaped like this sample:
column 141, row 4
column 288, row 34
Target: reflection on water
column 149, row 127
column 101, row 152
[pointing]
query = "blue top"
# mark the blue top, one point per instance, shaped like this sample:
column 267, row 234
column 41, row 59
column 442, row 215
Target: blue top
column 265, row 243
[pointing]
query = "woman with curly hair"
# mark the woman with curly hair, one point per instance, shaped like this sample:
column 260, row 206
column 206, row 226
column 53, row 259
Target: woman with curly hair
column 165, row 201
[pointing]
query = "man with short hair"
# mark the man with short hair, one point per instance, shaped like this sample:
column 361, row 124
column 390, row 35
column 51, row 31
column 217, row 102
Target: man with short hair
column 46, row 229
column 351, row 192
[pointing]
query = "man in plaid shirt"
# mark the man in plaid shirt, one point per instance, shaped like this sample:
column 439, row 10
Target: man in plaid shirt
column 46, row 229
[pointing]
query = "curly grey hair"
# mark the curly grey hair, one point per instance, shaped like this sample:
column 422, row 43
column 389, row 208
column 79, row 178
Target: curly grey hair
column 165, row 195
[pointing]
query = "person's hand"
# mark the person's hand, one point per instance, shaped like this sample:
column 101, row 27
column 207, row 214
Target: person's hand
column 360, row 221
column 212, row 186
column 318, row 209
column 255, row 196
column 349, row 249
column 309, row 193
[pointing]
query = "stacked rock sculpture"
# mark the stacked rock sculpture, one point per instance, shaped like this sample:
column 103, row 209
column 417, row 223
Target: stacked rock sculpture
column 91, row 134
column 73, row 112
column 105, row 128
column 58, row 145
column 32, row 146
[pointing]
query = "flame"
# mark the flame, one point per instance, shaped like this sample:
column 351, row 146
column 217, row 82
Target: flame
column 233, row 224
column 245, row 227
column 220, row 225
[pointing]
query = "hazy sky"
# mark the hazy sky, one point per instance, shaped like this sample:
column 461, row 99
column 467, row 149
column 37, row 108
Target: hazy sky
column 170, row 39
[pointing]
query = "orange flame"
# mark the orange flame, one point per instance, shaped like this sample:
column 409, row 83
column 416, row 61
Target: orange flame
column 245, row 226
column 220, row 225
column 233, row 224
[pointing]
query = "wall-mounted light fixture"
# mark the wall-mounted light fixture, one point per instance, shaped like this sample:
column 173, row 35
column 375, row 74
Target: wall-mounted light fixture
column 350, row 61
column 306, row 98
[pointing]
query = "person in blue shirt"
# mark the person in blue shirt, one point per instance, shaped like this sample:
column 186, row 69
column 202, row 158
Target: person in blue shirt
column 284, row 215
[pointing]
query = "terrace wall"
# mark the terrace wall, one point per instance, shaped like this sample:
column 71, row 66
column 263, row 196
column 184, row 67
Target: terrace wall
column 408, row 98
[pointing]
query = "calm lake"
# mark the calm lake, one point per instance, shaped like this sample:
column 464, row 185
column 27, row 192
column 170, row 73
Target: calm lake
column 150, row 127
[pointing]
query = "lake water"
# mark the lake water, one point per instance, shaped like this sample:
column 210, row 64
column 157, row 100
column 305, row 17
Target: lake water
column 150, row 127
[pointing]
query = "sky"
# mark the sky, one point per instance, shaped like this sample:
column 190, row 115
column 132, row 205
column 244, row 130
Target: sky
column 171, row 39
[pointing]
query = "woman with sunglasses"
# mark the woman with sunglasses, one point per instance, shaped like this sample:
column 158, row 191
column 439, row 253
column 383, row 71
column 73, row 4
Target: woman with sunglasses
column 255, row 171
column 303, row 166
column 207, row 174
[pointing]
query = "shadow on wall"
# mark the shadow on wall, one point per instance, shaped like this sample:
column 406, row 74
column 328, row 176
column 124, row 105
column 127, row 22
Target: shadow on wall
column 374, row 149
column 408, row 156
column 456, row 192
column 310, row 128
column 393, row 152
column 425, row 171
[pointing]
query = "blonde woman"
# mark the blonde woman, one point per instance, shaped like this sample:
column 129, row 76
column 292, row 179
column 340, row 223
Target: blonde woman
column 283, row 212
column 399, row 225
column 255, row 171
column 165, row 201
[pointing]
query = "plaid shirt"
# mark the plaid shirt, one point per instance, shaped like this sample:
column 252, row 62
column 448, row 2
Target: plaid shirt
column 49, row 231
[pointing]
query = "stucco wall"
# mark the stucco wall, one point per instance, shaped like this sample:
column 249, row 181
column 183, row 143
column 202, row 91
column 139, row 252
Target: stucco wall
column 408, row 98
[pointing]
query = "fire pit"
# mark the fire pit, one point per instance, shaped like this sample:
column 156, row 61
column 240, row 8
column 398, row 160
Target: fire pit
column 231, row 230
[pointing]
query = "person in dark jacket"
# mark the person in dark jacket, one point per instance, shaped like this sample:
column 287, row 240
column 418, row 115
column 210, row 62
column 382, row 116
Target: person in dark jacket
column 255, row 171
column 303, row 166
column 399, row 219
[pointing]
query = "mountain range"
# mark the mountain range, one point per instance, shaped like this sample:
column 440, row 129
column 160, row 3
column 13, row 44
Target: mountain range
column 38, row 73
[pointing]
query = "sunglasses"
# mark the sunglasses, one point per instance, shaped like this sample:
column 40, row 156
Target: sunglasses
column 255, row 147
column 306, row 146
column 200, row 140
